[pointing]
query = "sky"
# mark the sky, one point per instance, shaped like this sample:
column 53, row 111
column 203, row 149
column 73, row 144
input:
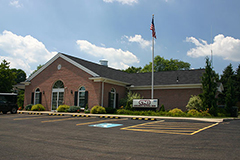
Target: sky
column 33, row 31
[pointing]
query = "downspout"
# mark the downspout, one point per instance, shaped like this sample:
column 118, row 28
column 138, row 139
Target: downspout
column 102, row 92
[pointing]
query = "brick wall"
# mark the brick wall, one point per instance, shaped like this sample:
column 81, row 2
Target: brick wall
column 72, row 77
column 171, row 98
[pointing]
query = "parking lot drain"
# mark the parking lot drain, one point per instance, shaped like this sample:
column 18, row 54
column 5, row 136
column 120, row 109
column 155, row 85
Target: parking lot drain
column 105, row 125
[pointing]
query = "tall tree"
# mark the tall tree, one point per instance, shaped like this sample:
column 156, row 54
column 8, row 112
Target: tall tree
column 7, row 77
column 230, row 94
column 209, row 87
column 20, row 75
column 227, row 72
column 238, row 83
column 161, row 64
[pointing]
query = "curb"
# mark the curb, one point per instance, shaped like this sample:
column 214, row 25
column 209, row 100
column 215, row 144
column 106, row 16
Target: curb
column 141, row 118
column 35, row 113
column 78, row 115
column 112, row 117
column 55, row 114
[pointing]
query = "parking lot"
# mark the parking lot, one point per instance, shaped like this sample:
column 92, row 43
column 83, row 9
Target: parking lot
column 25, row 136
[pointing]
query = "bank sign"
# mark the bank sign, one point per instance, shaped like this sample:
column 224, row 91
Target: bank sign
column 145, row 103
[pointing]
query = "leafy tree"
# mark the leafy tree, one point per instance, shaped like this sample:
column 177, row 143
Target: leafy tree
column 20, row 75
column 38, row 67
column 133, row 69
column 209, row 87
column 7, row 77
column 161, row 64
column 20, row 100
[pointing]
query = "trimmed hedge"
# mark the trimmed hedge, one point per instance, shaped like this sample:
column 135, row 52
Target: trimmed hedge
column 38, row 107
column 28, row 107
column 63, row 108
column 74, row 109
column 98, row 110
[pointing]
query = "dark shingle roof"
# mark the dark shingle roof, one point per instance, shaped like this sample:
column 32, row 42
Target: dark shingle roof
column 143, row 79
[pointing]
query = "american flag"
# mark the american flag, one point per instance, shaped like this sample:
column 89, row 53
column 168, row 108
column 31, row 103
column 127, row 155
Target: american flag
column 153, row 29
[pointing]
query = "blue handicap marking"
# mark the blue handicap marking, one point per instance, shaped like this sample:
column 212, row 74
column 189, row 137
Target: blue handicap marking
column 105, row 125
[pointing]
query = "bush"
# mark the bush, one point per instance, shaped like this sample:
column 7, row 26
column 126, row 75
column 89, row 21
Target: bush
column 127, row 101
column 110, row 110
column 195, row 102
column 62, row 108
column 176, row 112
column 38, row 107
column 162, row 108
column 28, row 107
column 194, row 113
column 98, row 110
column 74, row 109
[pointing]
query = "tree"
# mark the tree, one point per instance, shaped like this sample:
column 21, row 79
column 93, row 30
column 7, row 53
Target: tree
column 230, row 95
column 133, row 69
column 7, row 77
column 20, row 75
column 38, row 67
column 161, row 64
column 209, row 87
column 238, row 83
column 227, row 73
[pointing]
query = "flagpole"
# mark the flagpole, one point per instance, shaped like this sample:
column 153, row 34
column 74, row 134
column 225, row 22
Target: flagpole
column 152, row 63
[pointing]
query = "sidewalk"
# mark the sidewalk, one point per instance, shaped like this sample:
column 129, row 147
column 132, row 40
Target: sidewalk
column 137, row 117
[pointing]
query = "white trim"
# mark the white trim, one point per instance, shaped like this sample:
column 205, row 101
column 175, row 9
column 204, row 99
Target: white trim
column 110, row 81
column 65, row 58
column 178, row 86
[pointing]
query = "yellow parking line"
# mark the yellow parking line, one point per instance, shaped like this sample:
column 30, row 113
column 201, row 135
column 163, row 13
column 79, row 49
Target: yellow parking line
column 204, row 128
column 157, row 131
column 142, row 124
column 18, row 119
column 107, row 120
column 65, row 119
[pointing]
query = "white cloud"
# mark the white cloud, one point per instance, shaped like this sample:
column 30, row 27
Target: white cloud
column 117, row 58
column 23, row 52
column 226, row 47
column 128, row 2
column 138, row 39
column 16, row 4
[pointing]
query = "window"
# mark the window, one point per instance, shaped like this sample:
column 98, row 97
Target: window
column 81, row 97
column 37, row 96
column 112, row 98
column 57, row 94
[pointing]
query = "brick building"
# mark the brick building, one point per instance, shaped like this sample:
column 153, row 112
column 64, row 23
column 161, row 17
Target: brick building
column 73, row 81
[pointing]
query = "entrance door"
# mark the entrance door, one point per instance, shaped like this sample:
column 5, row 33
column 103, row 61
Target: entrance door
column 57, row 95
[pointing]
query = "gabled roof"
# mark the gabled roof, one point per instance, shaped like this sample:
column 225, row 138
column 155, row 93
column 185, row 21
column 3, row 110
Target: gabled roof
column 136, row 79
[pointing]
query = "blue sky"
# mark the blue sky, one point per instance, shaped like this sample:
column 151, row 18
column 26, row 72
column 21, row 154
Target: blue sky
column 33, row 31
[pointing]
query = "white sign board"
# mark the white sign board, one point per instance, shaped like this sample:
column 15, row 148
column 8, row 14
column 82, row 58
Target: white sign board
column 145, row 103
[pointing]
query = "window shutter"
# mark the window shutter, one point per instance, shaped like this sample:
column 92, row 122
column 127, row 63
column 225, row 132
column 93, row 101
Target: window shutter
column 86, row 98
column 116, row 100
column 40, row 97
column 75, row 98
column 109, row 99
column 32, row 100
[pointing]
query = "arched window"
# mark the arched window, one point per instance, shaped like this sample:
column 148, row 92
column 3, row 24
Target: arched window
column 37, row 96
column 57, row 94
column 112, row 98
column 81, row 97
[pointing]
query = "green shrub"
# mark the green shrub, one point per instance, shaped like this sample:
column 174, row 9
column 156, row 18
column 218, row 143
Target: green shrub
column 98, row 110
column 206, row 113
column 195, row 102
column 28, row 107
column 162, row 108
column 193, row 113
column 176, row 112
column 62, row 108
column 74, row 109
column 127, row 101
column 110, row 110
column 37, row 107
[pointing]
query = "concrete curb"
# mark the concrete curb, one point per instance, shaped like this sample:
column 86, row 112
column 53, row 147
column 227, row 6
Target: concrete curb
column 133, row 117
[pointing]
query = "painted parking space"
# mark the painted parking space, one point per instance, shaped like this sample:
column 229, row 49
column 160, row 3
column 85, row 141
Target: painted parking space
column 182, row 128
column 65, row 119
column 100, row 121
column 106, row 125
